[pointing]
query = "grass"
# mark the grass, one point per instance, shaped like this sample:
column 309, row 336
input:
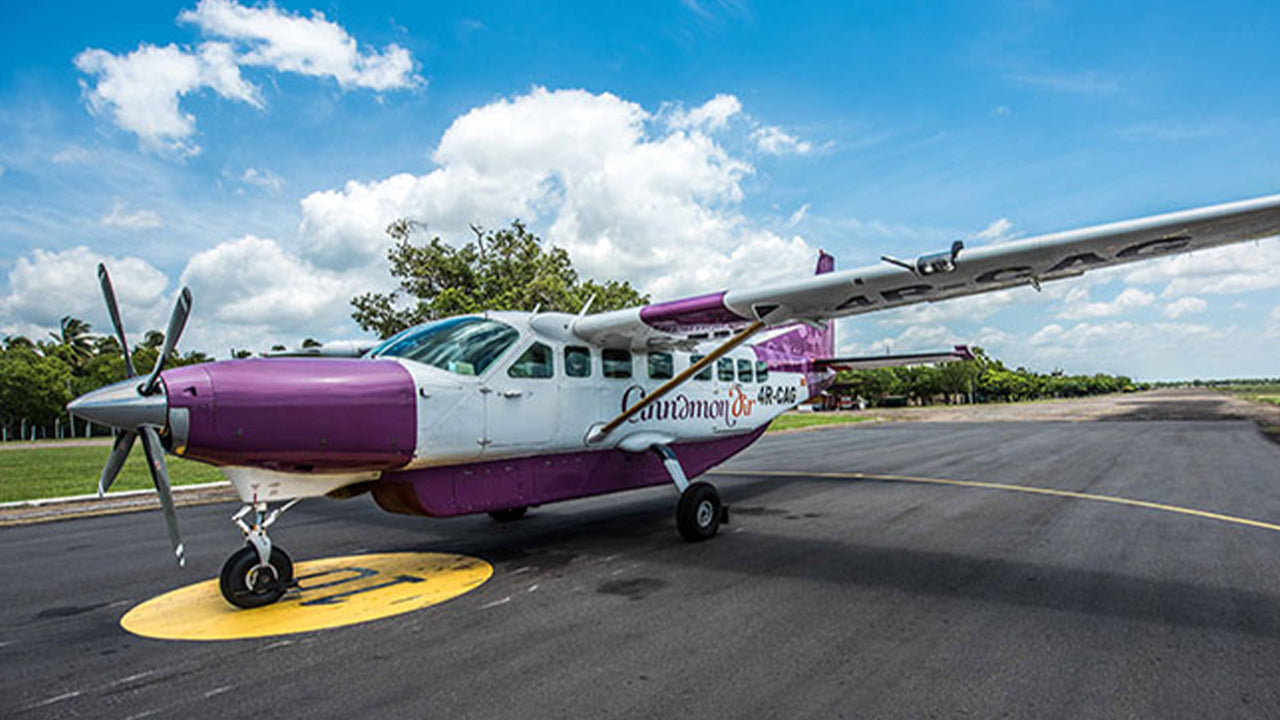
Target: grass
column 30, row 474
column 792, row 421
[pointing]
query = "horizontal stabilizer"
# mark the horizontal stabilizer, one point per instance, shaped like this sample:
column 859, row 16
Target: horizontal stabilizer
column 868, row 362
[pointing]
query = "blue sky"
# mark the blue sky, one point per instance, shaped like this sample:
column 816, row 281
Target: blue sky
column 255, row 152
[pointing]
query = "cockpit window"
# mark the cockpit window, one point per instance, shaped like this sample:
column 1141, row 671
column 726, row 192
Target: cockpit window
column 466, row 346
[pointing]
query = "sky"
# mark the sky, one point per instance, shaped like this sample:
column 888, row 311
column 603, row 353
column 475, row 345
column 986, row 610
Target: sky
column 256, row 153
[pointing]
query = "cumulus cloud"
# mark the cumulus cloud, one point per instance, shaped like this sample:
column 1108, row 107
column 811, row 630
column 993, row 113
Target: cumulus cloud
column 119, row 217
column 775, row 141
column 141, row 91
column 629, row 196
column 714, row 114
column 1218, row 271
column 1185, row 306
column 315, row 46
column 70, row 276
column 1128, row 299
column 254, row 281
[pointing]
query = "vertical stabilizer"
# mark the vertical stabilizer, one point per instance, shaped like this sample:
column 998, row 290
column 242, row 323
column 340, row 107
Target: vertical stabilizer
column 803, row 342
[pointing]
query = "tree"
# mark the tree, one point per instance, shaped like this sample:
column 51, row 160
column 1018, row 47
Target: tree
column 507, row 269
column 73, row 336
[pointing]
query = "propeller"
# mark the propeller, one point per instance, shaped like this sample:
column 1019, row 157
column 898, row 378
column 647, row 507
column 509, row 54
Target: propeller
column 137, row 410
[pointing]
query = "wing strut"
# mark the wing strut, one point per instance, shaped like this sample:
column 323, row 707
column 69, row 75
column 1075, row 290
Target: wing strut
column 598, row 433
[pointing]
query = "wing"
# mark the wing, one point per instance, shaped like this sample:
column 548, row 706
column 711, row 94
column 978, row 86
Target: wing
column 931, row 278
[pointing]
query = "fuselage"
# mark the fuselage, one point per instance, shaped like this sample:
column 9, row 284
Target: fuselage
column 427, row 418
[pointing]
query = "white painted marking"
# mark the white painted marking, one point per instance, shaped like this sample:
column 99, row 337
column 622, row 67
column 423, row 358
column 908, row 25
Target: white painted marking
column 218, row 691
column 55, row 699
column 145, row 713
column 274, row 645
column 496, row 603
column 519, row 570
column 6, row 643
column 129, row 679
column 533, row 587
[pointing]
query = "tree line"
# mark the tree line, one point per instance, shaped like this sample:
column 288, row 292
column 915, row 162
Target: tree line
column 983, row 379
column 39, row 377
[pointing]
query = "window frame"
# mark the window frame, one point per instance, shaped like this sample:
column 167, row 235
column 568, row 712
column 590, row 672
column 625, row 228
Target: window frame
column 590, row 361
column 604, row 364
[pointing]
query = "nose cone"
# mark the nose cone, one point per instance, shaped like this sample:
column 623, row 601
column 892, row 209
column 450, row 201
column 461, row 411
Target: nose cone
column 122, row 406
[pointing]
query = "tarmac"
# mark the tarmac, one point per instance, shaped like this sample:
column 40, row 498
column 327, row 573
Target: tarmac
column 1128, row 568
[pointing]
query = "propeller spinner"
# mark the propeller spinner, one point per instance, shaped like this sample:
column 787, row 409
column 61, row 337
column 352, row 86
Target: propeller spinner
column 137, row 408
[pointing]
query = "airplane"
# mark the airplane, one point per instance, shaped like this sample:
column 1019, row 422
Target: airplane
column 501, row 411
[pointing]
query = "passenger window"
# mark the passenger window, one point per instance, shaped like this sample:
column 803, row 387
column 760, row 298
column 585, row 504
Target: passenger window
column 744, row 371
column 724, row 369
column 577, row 361
column 705, row 374
column 762, row 371
column 617, row 363
column 535, row 363
column 661, row 366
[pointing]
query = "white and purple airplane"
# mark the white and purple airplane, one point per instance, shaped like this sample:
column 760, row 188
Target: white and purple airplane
column 499, row 412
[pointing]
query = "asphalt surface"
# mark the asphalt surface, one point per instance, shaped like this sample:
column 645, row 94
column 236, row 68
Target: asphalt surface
column 826, row 597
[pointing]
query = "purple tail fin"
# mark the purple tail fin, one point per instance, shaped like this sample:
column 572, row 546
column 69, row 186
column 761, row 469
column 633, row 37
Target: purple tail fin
column 803, row 341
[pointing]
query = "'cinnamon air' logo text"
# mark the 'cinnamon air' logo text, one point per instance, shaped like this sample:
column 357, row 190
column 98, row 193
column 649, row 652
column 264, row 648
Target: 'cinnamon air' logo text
column 728, row 410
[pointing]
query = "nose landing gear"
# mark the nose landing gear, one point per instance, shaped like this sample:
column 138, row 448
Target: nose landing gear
column 257, row 574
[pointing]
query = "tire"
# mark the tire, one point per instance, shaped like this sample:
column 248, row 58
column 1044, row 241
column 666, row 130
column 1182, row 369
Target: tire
column 698, row 513
column 235, row 581
column 508, row 515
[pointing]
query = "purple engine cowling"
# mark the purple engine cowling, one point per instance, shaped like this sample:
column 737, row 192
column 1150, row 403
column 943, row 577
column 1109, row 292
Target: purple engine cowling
column 296, row 414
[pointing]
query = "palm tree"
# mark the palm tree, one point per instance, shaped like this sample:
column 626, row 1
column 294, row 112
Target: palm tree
column 74, row 336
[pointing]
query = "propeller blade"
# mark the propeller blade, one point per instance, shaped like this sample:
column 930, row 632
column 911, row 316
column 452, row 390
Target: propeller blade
column 110, row 294
column 115, row 461
column 177, row 321
column 160, row 474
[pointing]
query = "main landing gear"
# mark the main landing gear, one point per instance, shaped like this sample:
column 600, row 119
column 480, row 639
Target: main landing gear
column 257, row 574
column 700, row 512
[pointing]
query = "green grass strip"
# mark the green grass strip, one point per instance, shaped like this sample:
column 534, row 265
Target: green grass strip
column 32, row 474
column 792, row 421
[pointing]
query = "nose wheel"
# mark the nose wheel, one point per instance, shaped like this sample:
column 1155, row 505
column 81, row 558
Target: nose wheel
column 247, row 582
column 259, row 573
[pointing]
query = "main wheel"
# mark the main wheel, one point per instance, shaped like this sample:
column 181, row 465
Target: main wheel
column 509, row 514
column 247, row 584
column 698, row 513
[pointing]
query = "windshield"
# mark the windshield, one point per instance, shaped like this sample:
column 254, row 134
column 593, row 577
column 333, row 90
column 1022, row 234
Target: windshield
column 466, row 346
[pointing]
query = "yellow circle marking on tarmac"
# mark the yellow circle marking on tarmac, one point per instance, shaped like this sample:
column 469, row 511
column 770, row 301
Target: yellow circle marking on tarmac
column 1011, row 488
column 331, row 593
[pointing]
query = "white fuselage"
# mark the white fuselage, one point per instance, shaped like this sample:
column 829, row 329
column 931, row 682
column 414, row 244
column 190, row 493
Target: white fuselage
column 513, row 410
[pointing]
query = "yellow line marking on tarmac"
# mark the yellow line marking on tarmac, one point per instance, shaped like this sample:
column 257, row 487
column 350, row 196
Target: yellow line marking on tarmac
column 1011, row 488
column 331, row 592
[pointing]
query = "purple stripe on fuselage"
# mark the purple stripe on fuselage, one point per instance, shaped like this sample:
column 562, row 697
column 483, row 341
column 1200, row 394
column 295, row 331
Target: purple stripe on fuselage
column 297, row 414
column 703, row 311
column 521, row 482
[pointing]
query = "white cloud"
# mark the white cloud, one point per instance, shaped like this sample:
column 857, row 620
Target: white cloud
column 1079, row 83
column 714, row 114
column 141, row 90
column 798, row 216
column 1225, row 270
column 659, row 210
column 313, row 46
column 1185, row 306
column 774, row 141
column 262, row 178
column 1001, row 111
column 119, row 217
column 999, row 231
column 1128, row 299
column 46, row 285
column 71, row 154
column 253, row 281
